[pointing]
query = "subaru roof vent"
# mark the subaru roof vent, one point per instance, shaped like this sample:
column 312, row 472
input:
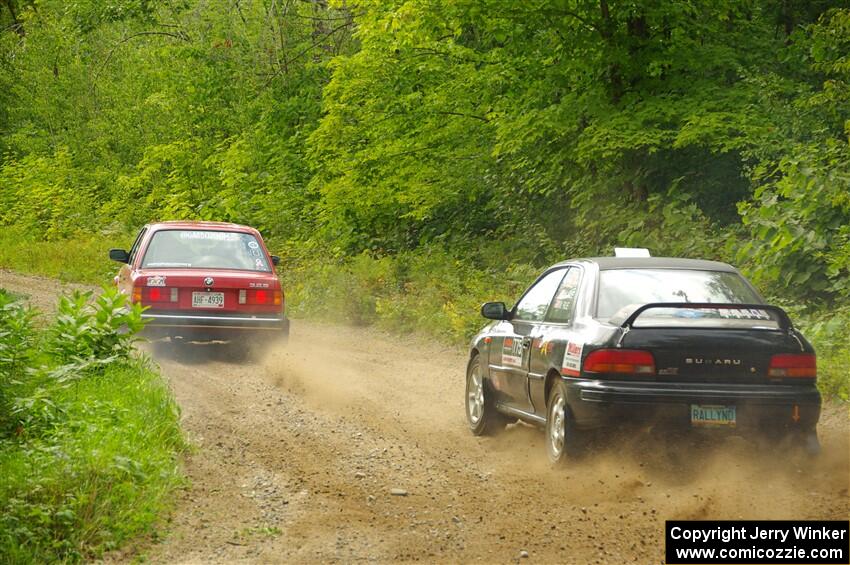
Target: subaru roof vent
column 631, row 252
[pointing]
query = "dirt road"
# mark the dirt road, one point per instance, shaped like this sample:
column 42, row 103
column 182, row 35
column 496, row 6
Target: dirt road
column 298, row 455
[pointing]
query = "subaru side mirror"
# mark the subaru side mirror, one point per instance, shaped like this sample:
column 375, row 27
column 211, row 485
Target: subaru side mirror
column 495, row 311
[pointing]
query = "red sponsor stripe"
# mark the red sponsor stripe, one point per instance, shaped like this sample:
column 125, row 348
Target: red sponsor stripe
column 570, row 372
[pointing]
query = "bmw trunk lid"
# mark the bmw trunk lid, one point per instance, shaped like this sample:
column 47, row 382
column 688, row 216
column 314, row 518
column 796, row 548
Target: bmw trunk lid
column 209, row 290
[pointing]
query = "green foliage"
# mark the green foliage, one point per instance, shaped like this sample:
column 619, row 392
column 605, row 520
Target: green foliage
column 83, row 333
column 432, row 291
column 83, row 258
column 88, row 432
column 459, row 117
column 801, row 207
column 46, row 195
column 86, row 338
column 833, row 376
column 17, row 349
column 101, row 477
column 121, row 112
column 565, row 130
column 829, row 332
column 801, row 222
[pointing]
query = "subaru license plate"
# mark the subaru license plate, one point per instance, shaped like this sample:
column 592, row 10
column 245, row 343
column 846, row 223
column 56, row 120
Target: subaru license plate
column 207, row 300
column 712, row 415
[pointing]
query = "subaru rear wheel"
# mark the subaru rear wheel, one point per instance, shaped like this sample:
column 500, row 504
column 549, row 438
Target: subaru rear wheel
column 562, row 441
column 481, row 415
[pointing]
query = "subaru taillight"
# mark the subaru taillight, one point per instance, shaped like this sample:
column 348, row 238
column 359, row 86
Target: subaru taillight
column 620, row 361
column 793, row 365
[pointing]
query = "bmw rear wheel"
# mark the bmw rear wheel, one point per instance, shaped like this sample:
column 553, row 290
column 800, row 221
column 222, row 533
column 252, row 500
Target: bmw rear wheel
column 481, row 415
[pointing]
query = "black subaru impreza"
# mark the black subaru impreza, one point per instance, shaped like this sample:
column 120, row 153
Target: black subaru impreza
column 678, row 343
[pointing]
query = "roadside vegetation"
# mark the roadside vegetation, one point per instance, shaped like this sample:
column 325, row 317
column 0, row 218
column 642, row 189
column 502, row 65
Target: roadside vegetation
column 89, row 432
column 82, row 259
column 410, row 159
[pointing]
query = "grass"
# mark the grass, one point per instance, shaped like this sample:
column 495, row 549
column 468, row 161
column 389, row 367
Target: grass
column 834, row 375
column 83, row 259
column 89, row 432
column 101, row 475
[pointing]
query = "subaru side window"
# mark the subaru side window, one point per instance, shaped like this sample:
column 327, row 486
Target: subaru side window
column 561, row 311
column 534, row 303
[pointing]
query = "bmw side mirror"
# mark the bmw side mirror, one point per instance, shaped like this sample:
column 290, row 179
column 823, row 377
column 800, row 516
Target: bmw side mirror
column 495, row 311
column 275, row 260
column 119, row 255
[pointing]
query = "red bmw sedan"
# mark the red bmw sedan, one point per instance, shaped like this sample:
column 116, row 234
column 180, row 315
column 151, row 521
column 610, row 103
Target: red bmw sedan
column 203, row 281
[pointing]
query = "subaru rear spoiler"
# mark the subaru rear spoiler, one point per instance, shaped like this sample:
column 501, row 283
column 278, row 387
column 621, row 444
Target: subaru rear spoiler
column 781, row 316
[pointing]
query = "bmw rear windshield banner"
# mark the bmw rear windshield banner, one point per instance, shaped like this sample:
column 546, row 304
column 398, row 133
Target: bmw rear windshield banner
column 753, row 541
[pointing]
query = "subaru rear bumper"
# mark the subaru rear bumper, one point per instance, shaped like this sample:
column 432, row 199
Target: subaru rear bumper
column 597, row 403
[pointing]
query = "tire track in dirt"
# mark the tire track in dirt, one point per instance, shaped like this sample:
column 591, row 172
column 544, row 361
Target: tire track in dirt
column 297, row 454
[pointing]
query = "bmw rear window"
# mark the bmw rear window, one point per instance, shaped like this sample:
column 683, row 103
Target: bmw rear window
column 212, row 249
column 621, row 291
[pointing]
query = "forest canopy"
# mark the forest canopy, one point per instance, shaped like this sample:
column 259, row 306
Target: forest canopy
column 492, row 131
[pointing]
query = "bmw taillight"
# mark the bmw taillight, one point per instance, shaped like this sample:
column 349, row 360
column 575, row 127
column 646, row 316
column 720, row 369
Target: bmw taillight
column 261, row 297
column 620, row 361
column 802, row 365
column 158, row 294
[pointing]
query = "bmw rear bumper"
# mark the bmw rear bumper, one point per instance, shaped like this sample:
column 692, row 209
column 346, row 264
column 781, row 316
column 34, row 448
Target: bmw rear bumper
column 597, row 403
column 194, row 326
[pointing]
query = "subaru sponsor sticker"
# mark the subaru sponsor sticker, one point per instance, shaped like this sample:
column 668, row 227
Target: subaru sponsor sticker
column 157, row 280
column 512, row 352
column 743, row 314
column 544, row 345
column 572, row 359
column 253, row 244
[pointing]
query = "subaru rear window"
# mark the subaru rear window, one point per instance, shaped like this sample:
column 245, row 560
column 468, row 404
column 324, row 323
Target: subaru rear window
column 621, row 291
column 211, row 249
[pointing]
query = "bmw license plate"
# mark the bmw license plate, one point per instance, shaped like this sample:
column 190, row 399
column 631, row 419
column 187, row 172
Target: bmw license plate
column 207, row 300
column 712, row 415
